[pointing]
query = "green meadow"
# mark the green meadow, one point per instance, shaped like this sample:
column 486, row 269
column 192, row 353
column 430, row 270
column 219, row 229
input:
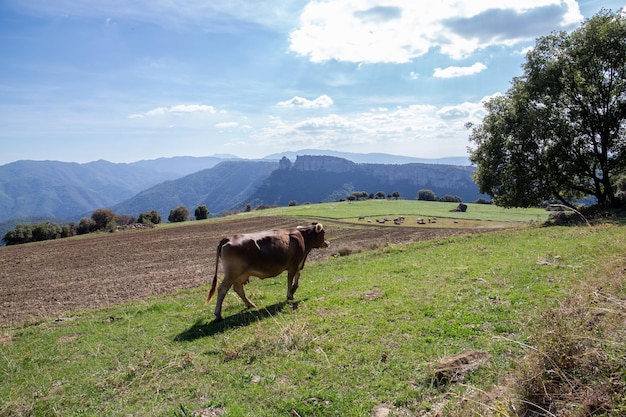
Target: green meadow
column 364, row 336
column 409, row 208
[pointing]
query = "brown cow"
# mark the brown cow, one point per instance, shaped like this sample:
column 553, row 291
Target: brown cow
column 264, row 255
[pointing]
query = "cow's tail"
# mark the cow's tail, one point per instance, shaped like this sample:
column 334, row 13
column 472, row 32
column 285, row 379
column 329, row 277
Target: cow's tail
column 218, row 255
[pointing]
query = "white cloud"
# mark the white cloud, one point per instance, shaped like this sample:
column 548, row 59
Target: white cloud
column 322, row 101
column 465, row 111
column 525, row 50
column 402, row 130
column 357, row 31
column 452, row 72
column 177, row 110
column 226, row 125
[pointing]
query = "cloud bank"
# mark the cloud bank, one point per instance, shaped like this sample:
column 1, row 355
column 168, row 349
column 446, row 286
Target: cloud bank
column 396, row 130
column 400, row 31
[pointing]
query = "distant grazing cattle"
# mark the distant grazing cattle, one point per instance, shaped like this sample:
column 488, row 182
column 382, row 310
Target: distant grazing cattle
column 461, row 207
column 264, row 255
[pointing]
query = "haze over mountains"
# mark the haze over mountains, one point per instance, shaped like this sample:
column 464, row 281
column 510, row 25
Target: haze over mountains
column 68, row 191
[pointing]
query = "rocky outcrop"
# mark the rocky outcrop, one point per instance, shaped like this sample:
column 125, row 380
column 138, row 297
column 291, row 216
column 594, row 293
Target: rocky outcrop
column 438, row 176
column 284, row 164
column 328, row 178
column 309, row 163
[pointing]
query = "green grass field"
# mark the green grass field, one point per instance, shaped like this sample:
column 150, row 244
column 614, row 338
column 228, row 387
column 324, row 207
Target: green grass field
column 366, row 330
column 380, row 208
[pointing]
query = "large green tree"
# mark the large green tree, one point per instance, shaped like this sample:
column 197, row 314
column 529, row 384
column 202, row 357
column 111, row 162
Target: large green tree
column 559, row 131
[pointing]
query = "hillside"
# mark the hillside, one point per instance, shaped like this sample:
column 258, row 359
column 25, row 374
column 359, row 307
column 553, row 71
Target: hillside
column 63, row 189
column 67, row 190
column 219, row 188
column 327, row 178
column 179, row 166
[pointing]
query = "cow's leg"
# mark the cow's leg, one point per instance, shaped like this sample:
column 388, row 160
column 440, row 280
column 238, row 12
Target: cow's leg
column 289, row 285
column 292, row 284
column 238, row 286
column 221, row 293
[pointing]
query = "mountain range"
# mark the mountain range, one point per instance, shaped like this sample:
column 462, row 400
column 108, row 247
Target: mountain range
column 67, row 191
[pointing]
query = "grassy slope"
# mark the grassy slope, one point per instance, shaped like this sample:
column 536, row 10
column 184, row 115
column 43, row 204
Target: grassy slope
column 413, row 208
column 366, row 329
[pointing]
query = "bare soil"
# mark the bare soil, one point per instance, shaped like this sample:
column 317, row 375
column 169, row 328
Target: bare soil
column 49, row 279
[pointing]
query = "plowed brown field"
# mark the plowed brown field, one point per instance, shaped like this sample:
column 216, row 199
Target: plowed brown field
column 48, row 279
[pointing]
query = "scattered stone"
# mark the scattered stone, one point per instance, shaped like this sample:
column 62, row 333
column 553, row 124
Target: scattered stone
column 210, row 412
column 112, row 319
column 62, row 319
column 69, row 338
column 380, row 410
column 454, row 367
column 374, row 294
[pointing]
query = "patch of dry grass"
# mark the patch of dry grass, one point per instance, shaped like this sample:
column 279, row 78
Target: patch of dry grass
column 576, row 360
column 575, row 364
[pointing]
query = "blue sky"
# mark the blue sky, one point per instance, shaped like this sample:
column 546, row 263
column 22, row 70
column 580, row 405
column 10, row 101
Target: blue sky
column 82, row 80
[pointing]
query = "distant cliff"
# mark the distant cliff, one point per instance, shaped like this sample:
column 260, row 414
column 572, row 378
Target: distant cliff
column 327, row 178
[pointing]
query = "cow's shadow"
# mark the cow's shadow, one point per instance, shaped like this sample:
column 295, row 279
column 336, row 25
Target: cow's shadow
column 202, row 328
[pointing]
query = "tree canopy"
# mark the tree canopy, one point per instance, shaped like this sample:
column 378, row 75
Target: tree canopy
column 559, row 132
column 201, row 212
column 179, row 214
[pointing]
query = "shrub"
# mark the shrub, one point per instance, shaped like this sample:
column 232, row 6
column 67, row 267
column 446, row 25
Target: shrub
column 450, row 199
column 38, row 232
column 426, row 195
column 358, row 195
column 482, row 201
column 21, row 234
column 179, row 214
column 201, row 212
column 85, row 225
column 265, row 207
column 150, row 217
column 102, row 217
column 69, row 230
column 124, row 219
column 46, row 231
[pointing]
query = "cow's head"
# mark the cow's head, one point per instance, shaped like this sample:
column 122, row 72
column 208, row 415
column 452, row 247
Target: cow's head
column 314, row 234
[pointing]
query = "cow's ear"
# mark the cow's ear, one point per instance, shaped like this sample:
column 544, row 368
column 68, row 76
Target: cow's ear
column 319, row 227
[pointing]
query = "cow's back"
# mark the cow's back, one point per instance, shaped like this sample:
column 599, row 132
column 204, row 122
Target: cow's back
column 264, row 254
